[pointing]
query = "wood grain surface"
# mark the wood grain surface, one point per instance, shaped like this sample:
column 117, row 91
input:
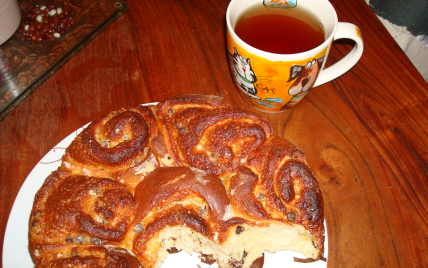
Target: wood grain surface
column 365, row 134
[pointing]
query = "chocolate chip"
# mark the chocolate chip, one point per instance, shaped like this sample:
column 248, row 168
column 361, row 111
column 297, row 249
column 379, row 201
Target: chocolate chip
column 100, row 220
column 207, row 259
column 236, row 264
column 105, row 144
column 80, row 239
column 69, row 239
column 138, row 228
column 37, row 214
column 136, row 162
column 34, row 223
column 183, row 130
column 214, row 155
column 291, row 216
column 203, row 212
column 173, row 250
column 108, row 214
column 239, row 229
column 261, row 196
column 96, row 241
column 171, row 111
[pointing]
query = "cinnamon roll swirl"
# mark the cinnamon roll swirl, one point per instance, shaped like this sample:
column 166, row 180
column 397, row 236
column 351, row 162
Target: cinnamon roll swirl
column 206, row 134
column 116, row 145
column 77, row 210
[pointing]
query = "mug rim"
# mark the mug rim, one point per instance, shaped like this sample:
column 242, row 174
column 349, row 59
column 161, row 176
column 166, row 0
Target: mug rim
column 277, row 56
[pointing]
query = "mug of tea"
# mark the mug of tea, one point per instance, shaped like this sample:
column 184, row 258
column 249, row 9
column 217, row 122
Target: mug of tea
column 278, row 48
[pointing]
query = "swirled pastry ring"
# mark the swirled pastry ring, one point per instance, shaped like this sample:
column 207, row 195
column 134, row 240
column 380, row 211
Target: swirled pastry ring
column 190, row 173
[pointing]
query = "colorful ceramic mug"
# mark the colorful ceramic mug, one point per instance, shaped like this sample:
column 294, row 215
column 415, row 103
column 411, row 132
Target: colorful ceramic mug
column 275, row 82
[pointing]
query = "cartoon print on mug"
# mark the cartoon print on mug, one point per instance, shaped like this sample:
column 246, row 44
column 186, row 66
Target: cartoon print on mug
column 305, row 76
column 280, row 3
column 243, row 73
column 273, row 70
column 246, row 79
column 265, row 85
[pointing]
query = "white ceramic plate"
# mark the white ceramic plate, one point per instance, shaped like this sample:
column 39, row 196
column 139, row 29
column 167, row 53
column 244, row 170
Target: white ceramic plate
column 15, row 246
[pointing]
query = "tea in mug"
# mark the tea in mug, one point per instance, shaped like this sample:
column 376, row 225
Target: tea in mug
column 280, row 31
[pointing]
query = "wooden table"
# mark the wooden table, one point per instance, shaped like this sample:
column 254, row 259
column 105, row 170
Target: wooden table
column 365, row 134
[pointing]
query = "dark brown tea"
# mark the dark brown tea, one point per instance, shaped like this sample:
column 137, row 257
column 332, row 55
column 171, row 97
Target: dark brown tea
column 284, row 31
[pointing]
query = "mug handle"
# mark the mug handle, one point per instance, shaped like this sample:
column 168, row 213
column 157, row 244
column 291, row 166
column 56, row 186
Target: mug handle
column 348, row 31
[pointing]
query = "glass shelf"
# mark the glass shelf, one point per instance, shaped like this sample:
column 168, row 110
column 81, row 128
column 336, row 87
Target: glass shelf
column 26, row 64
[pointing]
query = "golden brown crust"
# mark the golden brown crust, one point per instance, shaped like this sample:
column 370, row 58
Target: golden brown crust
column 75, row 210
column 181, row 196
column 210, row 135
column 286, row 187
column 166, row 185
column 241, row 193
column 116, row 145
column 189, row 161
column 84, row 256
column 201, row 195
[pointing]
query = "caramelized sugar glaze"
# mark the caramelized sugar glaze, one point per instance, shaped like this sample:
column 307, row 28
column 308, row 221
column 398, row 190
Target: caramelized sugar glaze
column 189, row 173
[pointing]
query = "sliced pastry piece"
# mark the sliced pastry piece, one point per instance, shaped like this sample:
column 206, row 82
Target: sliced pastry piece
column 277, row 185
column 189, row 209
column 186, row 209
